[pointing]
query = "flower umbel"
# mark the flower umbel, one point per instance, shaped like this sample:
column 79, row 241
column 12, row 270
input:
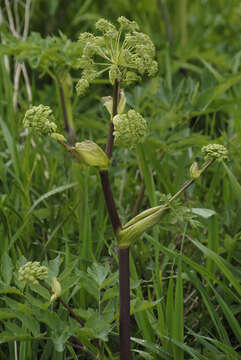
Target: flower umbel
column 129, row 129
column 32, row 272
column 125, row 53
column 215, row 152
column 40, row 119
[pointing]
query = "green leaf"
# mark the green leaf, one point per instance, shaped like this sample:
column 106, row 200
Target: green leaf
column 233, row 322
column 98, row 273
column 221, row 263
column 205, row 213
column 153, row 348
column 141, row 305
column 235, row 184
column 6, row 269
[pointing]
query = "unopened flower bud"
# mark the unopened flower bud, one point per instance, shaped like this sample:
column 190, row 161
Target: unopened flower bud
column 139, row 224
column 108, row 103
column 91, row 154
column 56, row 289
column 194, row 171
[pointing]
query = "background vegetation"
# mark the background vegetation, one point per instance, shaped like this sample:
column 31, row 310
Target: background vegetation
column 185, row 274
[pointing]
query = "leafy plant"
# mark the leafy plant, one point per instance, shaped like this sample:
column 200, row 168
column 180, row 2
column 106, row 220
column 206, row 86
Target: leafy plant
column 184, row 286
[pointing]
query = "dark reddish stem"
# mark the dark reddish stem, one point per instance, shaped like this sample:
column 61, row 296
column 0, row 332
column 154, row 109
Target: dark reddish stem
column 124, row 304
column 110, row 203
column 124, row 267
column 104, row 175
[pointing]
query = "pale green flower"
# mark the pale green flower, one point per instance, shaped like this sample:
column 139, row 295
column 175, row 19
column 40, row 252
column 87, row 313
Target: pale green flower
column 58, row 137
column 215, row 151
column 81, row 86
column 129, row 129
column 127, row 24
column 108, row 29
column 40, row 119
column 125, row 53
column 32, row 272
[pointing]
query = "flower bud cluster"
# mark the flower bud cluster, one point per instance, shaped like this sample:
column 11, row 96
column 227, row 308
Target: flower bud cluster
column 41, row 120
column 32, row 272
column 215, row 152
column 125, row 53
column 129, row 129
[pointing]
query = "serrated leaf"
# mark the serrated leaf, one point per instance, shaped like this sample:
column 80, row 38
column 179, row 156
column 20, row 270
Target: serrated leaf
column 98, row 273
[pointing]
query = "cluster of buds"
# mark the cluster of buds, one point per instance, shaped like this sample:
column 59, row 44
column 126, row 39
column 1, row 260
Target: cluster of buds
column 215, row 152
column 211, row 153
column 32, row 272
column 41, row 120
column 126, row 53
column 129, row 129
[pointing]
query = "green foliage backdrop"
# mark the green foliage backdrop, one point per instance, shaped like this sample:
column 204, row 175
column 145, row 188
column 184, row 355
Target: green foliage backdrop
column 185, row 273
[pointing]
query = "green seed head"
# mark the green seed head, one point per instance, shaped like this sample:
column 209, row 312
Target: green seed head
column 215, row 152
column 40, row 119
column 129, row 129
column 32, row 272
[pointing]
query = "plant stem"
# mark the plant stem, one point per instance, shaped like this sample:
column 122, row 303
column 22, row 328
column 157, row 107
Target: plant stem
column 110, row 203
column 124, row 304
column 167, row 23
column 104, row 175
column 124, row 266
column 72, row 313
column 189, row 183
column 67, row 121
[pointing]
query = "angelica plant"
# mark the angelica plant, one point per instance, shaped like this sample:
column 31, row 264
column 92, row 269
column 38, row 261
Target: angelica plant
column 125, row 54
